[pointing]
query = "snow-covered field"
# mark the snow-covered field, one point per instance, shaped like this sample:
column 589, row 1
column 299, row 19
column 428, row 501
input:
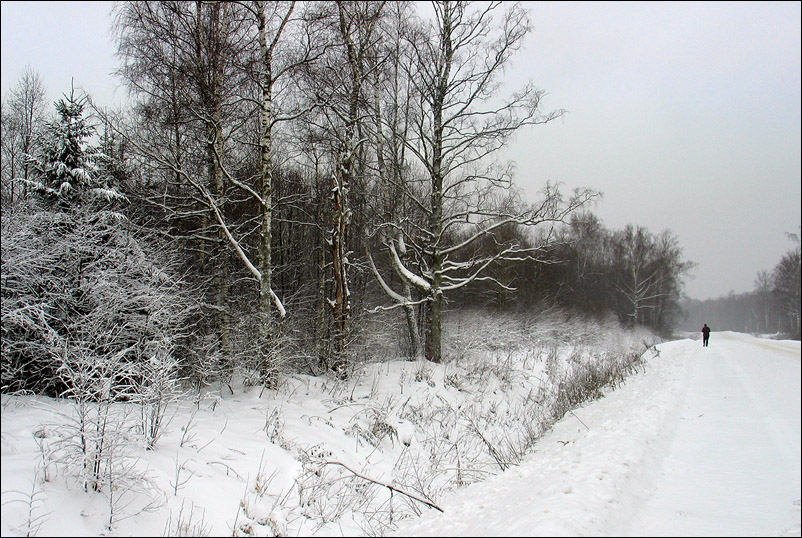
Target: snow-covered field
column 695, row 441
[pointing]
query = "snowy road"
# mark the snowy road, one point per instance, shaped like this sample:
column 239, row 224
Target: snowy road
column 702, row 442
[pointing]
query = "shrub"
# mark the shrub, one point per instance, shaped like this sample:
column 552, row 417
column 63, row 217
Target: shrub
column 81, row 286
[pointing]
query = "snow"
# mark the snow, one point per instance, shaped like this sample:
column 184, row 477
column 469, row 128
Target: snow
column 699, row 441
column 703, row 442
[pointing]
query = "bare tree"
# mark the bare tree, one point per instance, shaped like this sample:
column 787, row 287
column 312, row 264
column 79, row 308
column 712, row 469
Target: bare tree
column 267, row 49
column 392, row 110
column 765, row 309
column 637, row 277
column 224, row 51
column 455, row 65
column 340, row 82
column 27, row 102
column 9, row 160
column 672, row 267
column 178, row 58
column 23, row 114
column 645, row 276
column 277, row 28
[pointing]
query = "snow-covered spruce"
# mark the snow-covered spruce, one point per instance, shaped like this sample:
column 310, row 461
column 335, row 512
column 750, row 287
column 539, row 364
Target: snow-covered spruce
column 67, row 169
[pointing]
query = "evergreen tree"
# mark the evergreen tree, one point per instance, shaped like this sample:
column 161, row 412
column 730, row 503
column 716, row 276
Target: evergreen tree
column 66, row 167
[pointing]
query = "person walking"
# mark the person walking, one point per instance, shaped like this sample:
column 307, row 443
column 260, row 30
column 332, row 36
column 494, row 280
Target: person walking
column 705, row 335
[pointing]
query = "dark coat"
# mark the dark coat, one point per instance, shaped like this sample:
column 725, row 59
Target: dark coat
column 706, row 330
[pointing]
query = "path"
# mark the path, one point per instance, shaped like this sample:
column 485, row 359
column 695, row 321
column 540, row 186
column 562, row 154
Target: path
column 703, row 442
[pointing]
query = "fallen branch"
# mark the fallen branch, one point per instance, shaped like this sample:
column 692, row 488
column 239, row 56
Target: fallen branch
column 228, row 468
column 388, row 486
column 579, row 419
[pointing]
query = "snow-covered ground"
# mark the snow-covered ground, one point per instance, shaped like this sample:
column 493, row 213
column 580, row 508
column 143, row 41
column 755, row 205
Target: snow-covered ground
column 704, row 442
column 697, row 441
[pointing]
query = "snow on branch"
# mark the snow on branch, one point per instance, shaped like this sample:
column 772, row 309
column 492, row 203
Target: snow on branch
column 387, row 289
column 406, row 274
column 208, row 199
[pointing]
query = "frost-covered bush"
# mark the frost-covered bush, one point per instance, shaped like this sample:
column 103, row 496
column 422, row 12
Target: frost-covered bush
column 262, row 359
column 83, row 286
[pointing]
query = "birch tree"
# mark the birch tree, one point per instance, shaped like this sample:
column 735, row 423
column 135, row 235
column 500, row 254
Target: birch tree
column 392, row 111
column 222, row 50
column 274, row 66
column 178, row 58
column 339, row 82
column 645, row 275
column 22, row 115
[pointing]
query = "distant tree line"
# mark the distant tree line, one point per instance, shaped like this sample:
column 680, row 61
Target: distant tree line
column 286, row 173
column 588, row 269
column 773, row 307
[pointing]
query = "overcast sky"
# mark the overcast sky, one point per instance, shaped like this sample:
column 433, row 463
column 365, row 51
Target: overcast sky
column 685, row 115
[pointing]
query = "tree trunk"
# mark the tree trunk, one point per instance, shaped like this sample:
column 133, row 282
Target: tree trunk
column 434, row 328
column 266, row 180
column 341, row 302
column 390, row 209
column 221, row 277
column 342, row 180
column 215, row 151
column 322, row 332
